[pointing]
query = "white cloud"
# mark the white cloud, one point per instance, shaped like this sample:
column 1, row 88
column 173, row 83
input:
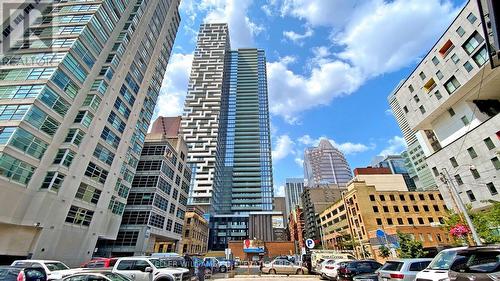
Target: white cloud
column 388, row 112
column 297, row 37
column 345, row 147
column 279, row 191
column 174, row 86
column 299, row 161
column 396, row 145
column 234, row 12
column 372, row 37
column 284, row 146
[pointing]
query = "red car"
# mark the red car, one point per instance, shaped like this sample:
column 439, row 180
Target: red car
column 100, row 263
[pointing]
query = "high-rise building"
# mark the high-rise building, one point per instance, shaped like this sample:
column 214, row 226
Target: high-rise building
column 201, row 118
column 293, row 189
column 324, row 165
column 226, row 127
column 451, row 102
column 420, row 173
column 157, row 201
column 76, row 99
column 397, row 165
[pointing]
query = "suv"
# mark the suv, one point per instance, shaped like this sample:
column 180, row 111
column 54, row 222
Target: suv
column 464, row 263
column 402, row 269
column 100, row 263
column 10, row 273
column 53, row 269
column 353, row 268
column 149, row 269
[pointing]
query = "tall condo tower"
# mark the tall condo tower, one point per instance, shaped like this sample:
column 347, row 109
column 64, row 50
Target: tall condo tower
column 200, row 121
column 326, row 165
column 76, row 99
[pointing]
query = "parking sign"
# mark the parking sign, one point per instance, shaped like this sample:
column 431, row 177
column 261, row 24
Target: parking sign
column 310, row 243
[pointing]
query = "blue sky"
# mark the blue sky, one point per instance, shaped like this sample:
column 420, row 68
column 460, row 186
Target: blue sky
column 331, row 66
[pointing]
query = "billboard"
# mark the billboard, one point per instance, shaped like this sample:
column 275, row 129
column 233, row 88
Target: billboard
column 278, row 222
column 253, row 246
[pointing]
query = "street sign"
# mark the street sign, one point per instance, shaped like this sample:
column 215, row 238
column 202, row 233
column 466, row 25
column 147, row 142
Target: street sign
column 310, row 243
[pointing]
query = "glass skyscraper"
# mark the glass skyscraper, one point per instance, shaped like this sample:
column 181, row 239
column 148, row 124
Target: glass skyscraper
column 226, row 127
column 77, row 93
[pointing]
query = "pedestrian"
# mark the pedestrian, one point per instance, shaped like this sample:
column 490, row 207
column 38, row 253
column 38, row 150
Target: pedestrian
column 201, row 271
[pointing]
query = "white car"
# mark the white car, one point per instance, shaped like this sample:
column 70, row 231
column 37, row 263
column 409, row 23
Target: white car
column 329, row 270
column 439, row 267
column 149, row 269
column 319, row 265
column 54, row 269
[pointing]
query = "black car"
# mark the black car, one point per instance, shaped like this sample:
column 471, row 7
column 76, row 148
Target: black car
column 11, row 273
column 354, row 268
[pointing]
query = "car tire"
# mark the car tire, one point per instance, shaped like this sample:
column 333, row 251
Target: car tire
column 323, row 277
column 300, row 272
column 222, row 269
column 272, row 271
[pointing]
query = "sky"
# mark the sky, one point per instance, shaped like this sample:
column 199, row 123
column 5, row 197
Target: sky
column 330, row 66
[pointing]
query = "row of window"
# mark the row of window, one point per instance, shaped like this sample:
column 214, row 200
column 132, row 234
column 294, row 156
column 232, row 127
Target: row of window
column 410, row 221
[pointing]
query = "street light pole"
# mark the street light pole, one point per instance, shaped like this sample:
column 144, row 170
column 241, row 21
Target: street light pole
column 461, row 207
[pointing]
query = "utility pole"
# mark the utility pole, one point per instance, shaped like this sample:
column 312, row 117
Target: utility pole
column 461, row 207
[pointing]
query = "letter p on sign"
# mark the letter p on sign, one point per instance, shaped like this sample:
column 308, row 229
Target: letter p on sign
column 310, row 243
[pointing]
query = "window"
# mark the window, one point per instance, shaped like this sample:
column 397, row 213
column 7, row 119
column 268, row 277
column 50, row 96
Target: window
column 402, row 197
column 455, row 58
column 375, row 209
column 472, row 152
column 460, row 31
column 491, row 187
column 439, row 75
column 405, row 109
column 481, row 57
column 396, row 209
column 415, row 98
column 452, row 85
column 104, row 154
column 411, row 88
column 386, row 209
column 431, row 196
column 453, row 162
column 379, row 221
column 80, row 216
column 41, row 120
column 406, row 209
column 465, row 120
column 472, row 43
column 459, row 180
column 109, row 137
column 422, row 75
column 54, row 101
column 84, row 117
column 420, row 221
column 28, row 143
column 64, row 157
column 435, row 171
column 382, row 197
column 410, row 221
column 422, row 109
column 468, row 66
column 496, row 163
column 88, row 193
column 435, row 60
column 431, row 84
column 400, row 221
column 471, row 196
column 392, row 198
column 15, row 169
column 74, row 136
column 126, row 238
column 475, row 173
column 447, row 47
column 415, row 208
column 430, row 219
column 436, row 208
column 451, row 111
column 53, row 181
column 421, row 197
column 389, row 221
column 96, row 173
column 489, row 143
column 92, row 101
column 412, row 197
column 471, row 18
column 438, row 95
column 426, row 208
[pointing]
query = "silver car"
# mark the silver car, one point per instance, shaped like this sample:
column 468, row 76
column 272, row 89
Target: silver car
column 402, row 269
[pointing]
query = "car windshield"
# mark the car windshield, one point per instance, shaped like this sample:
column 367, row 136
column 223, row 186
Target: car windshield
column 443, row 260
column 477, row 262
column 55, row 266
column 392, row 266
column 115, row 276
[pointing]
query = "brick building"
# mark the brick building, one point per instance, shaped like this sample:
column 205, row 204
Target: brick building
column 195, row 232
column 296, row 227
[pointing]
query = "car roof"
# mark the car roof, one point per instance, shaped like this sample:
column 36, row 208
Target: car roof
column 138, row 257
column 93, row 270
column 409, row 260
column 40, row 261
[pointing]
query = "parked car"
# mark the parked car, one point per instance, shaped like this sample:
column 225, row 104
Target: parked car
column 319, row 265
column 402, row 269
column 353, row 268
column 96, row 274
column 212, row 263
column 331, row 267
column 464, row 264
column 281, row 266
column 366, row 277
column 149, row 269
column 100, row 263
column 225, row 265
column 53, row 269
column 10, row 273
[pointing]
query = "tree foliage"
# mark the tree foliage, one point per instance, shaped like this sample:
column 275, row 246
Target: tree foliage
column 410, row 247
column 384, row 252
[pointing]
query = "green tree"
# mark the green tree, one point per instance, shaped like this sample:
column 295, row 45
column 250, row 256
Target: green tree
column 384, row 252
column 409, row 247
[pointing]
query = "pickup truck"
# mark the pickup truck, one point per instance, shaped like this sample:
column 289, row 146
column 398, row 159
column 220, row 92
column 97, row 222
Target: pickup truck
column 150, row 269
